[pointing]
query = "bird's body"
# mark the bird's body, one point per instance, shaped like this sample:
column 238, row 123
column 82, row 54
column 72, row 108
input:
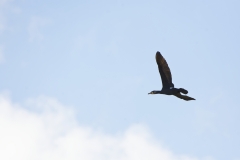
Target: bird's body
column 167, row 85
column 168, row 91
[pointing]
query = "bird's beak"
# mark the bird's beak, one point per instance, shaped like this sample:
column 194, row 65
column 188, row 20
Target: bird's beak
column 150, row 93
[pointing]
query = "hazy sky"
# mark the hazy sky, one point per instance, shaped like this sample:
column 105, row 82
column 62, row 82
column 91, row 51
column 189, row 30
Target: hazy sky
column 75, row 77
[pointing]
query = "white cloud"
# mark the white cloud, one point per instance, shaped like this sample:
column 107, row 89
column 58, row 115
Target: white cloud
column 35, row 26
column 47, row 130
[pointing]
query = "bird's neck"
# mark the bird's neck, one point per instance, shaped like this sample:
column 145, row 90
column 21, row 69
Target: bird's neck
column 158, row 92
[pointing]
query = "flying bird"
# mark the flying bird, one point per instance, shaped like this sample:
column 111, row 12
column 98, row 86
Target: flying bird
column 167, row 85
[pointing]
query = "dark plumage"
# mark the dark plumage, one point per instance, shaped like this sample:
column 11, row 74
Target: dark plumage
column 168, row 86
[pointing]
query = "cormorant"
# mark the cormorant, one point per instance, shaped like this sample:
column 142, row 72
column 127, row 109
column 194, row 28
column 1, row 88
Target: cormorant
column 168, row 86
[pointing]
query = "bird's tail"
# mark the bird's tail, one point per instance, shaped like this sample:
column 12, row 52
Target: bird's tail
column 184, row 91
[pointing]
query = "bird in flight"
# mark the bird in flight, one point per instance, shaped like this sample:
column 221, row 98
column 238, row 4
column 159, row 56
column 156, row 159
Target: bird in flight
column 168, row 86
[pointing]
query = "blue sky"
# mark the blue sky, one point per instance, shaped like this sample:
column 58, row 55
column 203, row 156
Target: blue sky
column 96, row 60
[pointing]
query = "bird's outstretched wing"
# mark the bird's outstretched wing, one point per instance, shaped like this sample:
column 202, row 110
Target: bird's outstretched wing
column 186, row 98
column 164, row 71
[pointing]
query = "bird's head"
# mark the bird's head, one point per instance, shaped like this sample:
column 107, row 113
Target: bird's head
column 153, row 92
